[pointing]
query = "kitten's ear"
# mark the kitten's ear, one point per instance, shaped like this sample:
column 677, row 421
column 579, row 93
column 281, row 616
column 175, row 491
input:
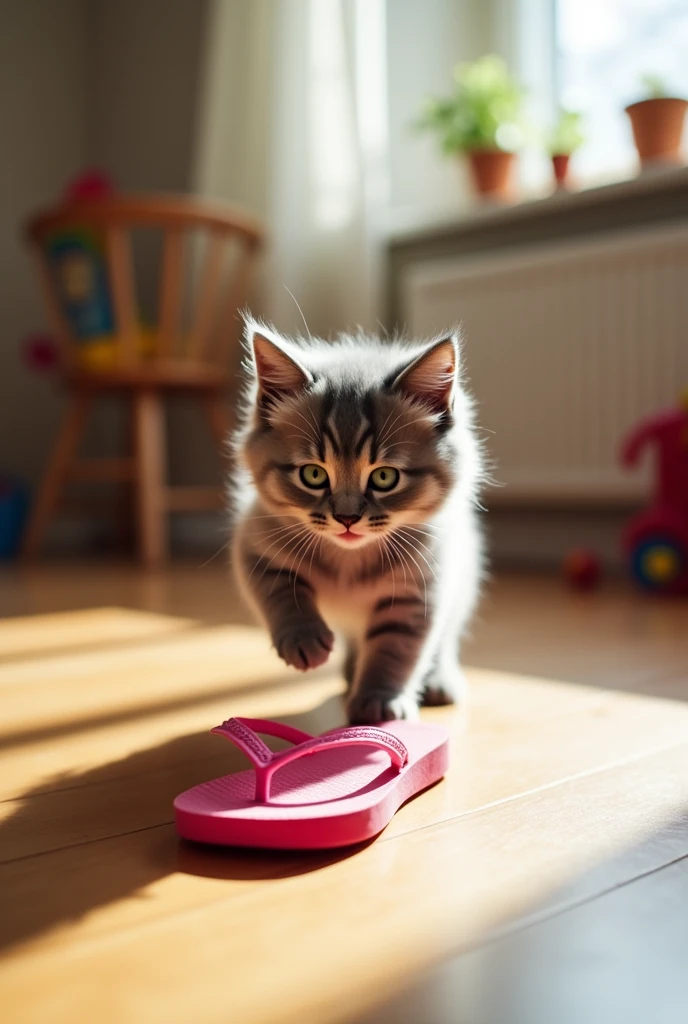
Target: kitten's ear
column 431, row 377
column 277, row 371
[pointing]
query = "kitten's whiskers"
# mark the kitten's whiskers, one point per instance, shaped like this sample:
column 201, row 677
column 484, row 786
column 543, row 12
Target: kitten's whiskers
column 296, row 303
column 383, row 436
column 409, row 541
column 294, row 571
column 384, row 550
column 305, row 548
column 407, row 544
column 421, row 419
column 219, row 551
column 289, row 541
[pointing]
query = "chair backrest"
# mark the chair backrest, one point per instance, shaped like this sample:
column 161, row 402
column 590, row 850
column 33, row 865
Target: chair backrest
column 94, row 242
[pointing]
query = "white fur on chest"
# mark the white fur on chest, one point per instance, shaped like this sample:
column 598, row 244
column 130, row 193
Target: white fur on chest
column 348, row 609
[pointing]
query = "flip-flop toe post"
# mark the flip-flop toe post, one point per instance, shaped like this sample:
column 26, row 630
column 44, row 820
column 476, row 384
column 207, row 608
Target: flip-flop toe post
column 324, row 791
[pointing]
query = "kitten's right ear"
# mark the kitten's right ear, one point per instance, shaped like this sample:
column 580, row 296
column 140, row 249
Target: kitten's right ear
column 277, row 371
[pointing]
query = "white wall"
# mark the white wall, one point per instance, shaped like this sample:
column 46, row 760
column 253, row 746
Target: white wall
column 425, row 40
column 43, row 142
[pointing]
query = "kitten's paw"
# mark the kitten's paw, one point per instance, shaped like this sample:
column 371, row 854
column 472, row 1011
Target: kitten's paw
column 305, row 646
column 372, row 706
column 439, row 690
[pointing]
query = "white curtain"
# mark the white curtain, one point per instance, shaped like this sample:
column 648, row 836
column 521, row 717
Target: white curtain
column 293, row 127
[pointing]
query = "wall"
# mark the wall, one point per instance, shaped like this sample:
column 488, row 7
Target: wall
column 128, row 85
column 425, row 41
column 145, row 70
column 43, row 89
column 83, row 83
column 240, row 40
column 144, row 64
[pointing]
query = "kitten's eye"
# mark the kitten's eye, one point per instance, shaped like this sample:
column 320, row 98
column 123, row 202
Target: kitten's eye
column 385, row 478
column 314, row 476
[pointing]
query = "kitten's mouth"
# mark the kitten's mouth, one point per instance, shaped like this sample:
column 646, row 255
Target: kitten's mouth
column 350, row 536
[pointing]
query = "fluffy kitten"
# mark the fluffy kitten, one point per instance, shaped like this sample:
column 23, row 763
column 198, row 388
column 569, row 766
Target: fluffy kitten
column 355, row 511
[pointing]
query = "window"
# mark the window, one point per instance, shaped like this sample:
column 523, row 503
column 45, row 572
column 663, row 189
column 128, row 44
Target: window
column 603, row 48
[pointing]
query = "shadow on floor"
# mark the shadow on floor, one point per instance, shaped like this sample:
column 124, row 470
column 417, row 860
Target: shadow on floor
column 110, row 718
column 91, row 825
column 609, row 947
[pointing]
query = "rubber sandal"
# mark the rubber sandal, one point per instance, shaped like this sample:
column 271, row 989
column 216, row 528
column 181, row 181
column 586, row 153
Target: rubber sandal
column 325, row 791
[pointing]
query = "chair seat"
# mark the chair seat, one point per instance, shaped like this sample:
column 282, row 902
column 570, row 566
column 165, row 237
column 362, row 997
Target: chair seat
column 180, row 375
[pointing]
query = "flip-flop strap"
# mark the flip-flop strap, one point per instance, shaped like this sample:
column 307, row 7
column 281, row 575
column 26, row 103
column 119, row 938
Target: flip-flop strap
column 241, row 732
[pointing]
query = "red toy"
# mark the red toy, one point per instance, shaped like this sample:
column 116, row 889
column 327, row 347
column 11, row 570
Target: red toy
column 40, row 352
column 581, row 569
column 89, row 186
column 656, row 540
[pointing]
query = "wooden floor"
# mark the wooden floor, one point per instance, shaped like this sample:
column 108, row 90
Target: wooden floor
column 495, row 897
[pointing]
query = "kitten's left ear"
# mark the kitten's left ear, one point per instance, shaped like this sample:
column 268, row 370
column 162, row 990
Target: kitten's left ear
column 431, row 377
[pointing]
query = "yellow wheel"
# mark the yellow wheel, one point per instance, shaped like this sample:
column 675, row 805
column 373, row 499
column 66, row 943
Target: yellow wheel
column 657, row 563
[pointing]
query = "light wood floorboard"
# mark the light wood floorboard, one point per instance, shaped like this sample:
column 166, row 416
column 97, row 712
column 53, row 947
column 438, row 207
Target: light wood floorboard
column 565, row 797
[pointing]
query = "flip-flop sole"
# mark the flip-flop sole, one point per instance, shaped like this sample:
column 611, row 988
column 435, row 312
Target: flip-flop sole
column 336, row 797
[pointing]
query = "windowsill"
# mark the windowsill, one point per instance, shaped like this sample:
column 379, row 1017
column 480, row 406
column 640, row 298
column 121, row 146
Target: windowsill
column 406, row 226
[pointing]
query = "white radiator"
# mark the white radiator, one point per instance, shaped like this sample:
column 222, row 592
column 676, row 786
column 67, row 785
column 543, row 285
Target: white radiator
column 566, row 346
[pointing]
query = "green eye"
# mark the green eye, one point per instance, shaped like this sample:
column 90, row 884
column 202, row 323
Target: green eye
column 384, row 479
column 314, row 476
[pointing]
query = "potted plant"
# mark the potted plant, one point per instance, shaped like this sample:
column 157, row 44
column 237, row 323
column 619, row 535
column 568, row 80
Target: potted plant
column 657, row 123
column 564, row 139
column 481, row 119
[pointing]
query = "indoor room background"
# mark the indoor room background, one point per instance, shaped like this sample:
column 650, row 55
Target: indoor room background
column 302, row 114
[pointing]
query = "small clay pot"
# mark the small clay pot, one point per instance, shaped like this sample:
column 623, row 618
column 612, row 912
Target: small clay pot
column 491, row 171
column 657, row 129
column 560, row 165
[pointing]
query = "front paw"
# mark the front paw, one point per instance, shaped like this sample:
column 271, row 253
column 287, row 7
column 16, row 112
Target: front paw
column 306, row 645
column 372, row 706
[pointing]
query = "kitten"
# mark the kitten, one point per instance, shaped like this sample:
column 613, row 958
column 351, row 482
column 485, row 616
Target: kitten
column 355, row 511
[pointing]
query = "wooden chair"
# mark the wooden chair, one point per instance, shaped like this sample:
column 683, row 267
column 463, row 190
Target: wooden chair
column 194, row 350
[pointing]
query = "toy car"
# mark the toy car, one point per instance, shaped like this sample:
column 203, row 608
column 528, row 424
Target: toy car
column 656, row 540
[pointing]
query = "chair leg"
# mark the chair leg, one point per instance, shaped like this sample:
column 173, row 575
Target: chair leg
column 126, row 514
column 150, row 476
column 219, row 420
column 55, row 478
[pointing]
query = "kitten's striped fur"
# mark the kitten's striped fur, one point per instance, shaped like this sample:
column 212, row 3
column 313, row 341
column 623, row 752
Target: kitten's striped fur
column 396, row 572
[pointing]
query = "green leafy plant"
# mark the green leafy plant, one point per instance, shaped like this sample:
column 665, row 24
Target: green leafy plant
column 655, row 87
column 484, row 111
column 567, row 134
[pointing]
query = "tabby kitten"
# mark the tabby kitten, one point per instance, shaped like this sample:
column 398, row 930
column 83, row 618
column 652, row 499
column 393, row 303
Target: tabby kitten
column 355, row 511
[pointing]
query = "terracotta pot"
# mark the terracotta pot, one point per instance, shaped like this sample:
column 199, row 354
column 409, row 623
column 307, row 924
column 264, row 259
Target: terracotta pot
column 560, row 164
column 657, row 129
column 491, row 170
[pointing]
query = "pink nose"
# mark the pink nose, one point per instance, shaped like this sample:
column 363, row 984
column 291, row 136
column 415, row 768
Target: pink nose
column 347, row 521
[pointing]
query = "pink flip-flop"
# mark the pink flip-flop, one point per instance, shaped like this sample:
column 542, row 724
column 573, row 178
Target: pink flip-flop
column 325, row 791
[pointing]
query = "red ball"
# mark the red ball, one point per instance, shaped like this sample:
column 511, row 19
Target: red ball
column 581, row 569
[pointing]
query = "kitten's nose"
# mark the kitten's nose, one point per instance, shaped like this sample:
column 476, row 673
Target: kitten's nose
column 347, row 521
